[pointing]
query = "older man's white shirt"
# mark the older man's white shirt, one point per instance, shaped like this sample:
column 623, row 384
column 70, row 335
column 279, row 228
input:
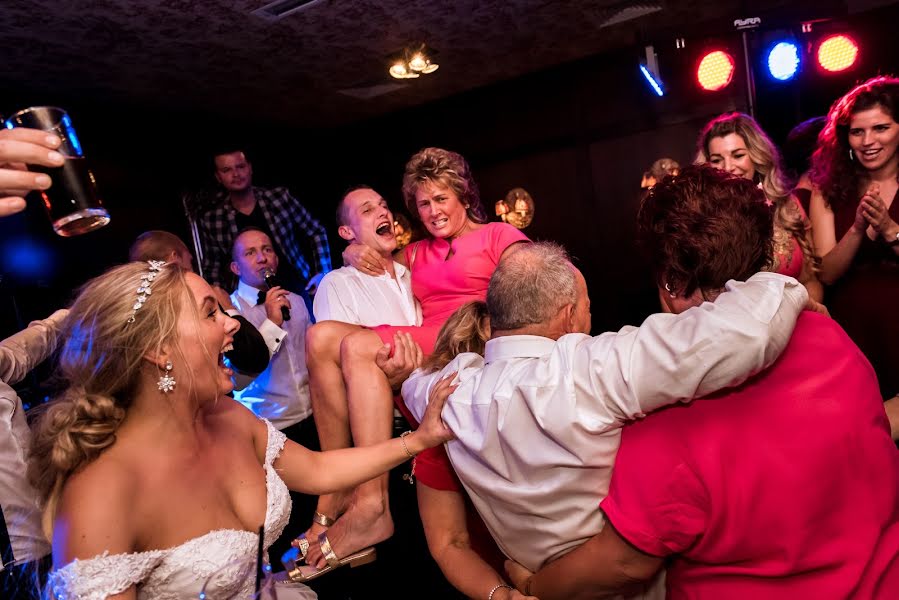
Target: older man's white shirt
column 538, row 421
column 351, row 296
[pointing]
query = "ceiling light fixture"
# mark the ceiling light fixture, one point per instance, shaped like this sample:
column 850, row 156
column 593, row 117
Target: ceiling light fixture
column 412, row 64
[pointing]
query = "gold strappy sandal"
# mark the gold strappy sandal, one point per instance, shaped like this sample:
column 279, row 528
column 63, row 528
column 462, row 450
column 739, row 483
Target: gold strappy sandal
column 302, row 574
column 301, row 543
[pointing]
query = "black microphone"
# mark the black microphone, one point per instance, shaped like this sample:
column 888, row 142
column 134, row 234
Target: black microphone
column 271, row 280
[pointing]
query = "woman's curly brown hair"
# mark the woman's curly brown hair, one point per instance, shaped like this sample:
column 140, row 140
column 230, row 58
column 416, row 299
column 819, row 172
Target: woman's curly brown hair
column 838, row 176
column 703, row 227
column 449, row 169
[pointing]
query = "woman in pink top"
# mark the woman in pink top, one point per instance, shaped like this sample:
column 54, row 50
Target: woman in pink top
column 735, row 143
column 785, row 487
column 449, row 268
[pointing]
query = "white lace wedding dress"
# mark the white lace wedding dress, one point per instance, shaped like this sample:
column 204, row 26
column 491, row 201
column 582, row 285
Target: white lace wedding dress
column 178, row 573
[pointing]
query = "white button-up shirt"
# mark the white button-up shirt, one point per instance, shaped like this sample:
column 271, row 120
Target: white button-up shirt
column 281, row 392
column 351, row 296
column 538, row 421
column 19, row 354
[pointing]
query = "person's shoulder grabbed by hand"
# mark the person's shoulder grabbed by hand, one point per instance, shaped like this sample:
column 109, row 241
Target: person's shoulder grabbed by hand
column 433, row 431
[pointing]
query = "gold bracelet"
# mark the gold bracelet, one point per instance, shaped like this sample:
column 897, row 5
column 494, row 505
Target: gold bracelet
column 496, row 587
column 403, row 440
column 410, row 476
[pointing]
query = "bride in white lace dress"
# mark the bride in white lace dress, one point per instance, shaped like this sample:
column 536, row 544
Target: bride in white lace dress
column 152, row 479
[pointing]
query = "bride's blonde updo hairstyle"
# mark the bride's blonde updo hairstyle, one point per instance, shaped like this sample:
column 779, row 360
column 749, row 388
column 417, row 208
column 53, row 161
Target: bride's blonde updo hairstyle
column 101, row 364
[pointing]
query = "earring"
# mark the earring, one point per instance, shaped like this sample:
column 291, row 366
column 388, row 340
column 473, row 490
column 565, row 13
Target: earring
column 670, row 293
column 851, row 155
column 166, row 382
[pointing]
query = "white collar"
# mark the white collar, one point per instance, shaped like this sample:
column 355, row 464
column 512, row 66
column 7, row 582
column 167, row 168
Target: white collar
column 517, row 346
column 249, row 293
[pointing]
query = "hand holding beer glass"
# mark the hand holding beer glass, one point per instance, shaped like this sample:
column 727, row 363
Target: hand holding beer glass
column 57, row 169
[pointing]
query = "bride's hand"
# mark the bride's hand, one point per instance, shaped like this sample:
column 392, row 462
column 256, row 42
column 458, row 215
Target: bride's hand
column 364, row 258
column 433, row 431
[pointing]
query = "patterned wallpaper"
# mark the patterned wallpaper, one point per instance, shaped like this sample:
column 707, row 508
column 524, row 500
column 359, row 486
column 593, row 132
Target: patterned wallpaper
column 213, row 55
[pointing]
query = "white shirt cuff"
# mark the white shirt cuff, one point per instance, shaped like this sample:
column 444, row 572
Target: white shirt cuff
column 273, row 335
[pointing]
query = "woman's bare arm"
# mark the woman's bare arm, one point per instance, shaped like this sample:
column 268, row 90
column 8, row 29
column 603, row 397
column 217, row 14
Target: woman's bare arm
column 446, row 529
column 836, row 257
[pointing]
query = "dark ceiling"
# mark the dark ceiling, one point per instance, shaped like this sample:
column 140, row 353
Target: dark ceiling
column 325, row 64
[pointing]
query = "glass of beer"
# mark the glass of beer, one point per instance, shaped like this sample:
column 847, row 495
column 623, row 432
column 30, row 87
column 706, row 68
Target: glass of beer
column 72, row 201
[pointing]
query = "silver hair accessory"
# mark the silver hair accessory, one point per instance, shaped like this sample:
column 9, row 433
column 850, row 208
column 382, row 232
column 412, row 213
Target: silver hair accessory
column 143, row 291
column 166, row 382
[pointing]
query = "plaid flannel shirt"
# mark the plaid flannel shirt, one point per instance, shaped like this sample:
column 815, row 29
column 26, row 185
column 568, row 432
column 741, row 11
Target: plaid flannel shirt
column 286, row 219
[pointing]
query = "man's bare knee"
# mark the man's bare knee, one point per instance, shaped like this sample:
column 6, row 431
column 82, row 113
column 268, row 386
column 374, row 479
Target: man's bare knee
column 360, row 345
column 323, row 340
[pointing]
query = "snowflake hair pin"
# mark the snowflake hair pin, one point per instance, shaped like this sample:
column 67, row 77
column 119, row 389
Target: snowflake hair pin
column 144, row 290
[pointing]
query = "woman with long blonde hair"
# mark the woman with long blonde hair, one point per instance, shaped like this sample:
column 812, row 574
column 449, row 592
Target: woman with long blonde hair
column 151, row 478
column 735, row 143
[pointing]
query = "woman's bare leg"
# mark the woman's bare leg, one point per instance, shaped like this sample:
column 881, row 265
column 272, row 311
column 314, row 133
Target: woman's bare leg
column 367, row 521
column 329, row 403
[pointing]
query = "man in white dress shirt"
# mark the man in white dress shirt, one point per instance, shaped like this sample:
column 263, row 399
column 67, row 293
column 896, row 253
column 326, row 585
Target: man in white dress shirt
column 281, row 392
column 538, row 418
column 351, row 296
column 354, row 298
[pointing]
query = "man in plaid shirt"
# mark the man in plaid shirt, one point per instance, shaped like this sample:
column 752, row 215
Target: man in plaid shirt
column 273, row 211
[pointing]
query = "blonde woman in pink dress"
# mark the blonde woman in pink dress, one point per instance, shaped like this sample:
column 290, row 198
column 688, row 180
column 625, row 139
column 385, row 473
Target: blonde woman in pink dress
column 735, row 143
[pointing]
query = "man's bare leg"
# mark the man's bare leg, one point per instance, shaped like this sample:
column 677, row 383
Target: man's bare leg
column 367, row 521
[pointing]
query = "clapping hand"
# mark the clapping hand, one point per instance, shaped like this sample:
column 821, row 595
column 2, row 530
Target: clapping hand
column 18, row 147
column 875, row 211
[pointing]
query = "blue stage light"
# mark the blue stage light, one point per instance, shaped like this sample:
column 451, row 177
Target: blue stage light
column 656, row 86
column 783, row 61
column 26, row 259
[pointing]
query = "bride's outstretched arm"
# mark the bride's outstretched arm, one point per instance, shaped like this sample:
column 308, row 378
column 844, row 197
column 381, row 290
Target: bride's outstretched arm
column 325, row 472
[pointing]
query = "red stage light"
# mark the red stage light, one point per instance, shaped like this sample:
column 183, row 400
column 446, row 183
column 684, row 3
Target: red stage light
column 837, row 53
column 716, row 70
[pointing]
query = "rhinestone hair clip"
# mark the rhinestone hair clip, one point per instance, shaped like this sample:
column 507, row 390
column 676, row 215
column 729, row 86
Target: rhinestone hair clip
column 143, row 291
